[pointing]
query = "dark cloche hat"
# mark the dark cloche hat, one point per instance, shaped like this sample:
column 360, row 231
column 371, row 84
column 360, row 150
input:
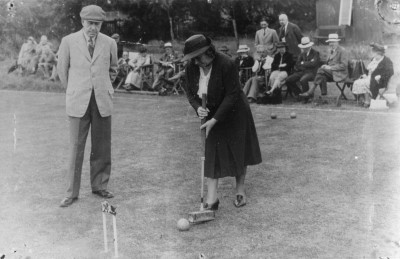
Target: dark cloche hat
column 195, row 46
column 93, row 13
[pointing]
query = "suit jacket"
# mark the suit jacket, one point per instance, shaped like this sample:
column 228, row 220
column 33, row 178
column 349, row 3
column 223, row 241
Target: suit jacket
column 338, row 62
column 385, row 70
column 81, row 74
column 269, row 39
column 292, row 38
column 308, row 64
column 244, row 62
column 287, row 59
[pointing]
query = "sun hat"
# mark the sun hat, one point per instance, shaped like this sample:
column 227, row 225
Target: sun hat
column 168, row 45
column 115, row 36
column 305, row 43
column 243, row 48
column 377, row 47
column 281, row 44
column 333, row 37
column 93, row 13
column 195, row 46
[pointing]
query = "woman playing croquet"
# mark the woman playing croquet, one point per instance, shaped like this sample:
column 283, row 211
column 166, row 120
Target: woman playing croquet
column 231, row 137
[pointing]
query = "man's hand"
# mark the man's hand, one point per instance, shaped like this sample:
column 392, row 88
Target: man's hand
column 282, row 65
column 208, row 125
column 202, row 112
column 377, row 78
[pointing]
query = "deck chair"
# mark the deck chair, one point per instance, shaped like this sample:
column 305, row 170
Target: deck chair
column 355, row 68
column 147, row 76
column 245, row 73
column 179, row 83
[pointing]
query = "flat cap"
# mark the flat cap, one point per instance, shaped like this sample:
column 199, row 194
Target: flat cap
column 93, row 13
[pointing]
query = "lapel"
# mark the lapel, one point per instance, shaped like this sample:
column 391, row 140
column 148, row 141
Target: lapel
column 332, row 56
column 98, row 47
column 82, row 45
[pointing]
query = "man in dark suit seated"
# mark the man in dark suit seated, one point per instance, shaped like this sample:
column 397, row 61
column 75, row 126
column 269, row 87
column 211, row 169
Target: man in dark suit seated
column 335, row 68
column 305, row 68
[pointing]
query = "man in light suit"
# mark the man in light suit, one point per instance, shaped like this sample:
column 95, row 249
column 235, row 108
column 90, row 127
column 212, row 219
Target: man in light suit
column 267, row 37
column 335, row 68
column 87, row 62
column 291, row 34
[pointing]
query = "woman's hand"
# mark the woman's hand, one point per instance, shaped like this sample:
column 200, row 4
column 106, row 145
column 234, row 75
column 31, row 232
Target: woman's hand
column 377, row 78
column 202, row 112
column 208, row 125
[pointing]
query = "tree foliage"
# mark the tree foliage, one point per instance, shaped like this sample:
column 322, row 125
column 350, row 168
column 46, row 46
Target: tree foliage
column 151, row 19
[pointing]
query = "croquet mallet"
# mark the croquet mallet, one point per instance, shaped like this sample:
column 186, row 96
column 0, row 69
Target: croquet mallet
column 202, row 215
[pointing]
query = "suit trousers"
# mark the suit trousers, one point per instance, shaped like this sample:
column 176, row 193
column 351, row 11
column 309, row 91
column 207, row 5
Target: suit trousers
column 303, row 78
column 100, row 155
column 323, row 75
column 252, row 87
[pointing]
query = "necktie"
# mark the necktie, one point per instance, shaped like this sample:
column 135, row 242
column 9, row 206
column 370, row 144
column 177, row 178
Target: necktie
column 264, row 32
column 91, row 46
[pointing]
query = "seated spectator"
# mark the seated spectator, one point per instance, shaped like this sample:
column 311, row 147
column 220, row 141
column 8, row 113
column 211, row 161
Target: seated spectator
column 165, row 66
column 334, row 70
column 47, row 61
column 26, row 55
column 380, row 69
column 281, row 67
column 305, row 68
column 261, row 68
column 123, row 68
column 134, row 80
column 244, row 60
column 120, row 47
column 225, row 50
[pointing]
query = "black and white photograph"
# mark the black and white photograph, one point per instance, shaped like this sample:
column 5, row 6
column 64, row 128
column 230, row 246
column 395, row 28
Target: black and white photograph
column 204, row 129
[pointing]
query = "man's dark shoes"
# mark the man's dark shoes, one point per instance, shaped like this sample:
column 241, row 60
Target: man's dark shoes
column 68, row 201
column 104, row 194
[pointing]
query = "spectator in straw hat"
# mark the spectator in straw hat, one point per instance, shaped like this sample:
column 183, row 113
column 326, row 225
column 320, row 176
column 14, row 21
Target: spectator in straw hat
column 225, row 50
column 305, row 68
column 380, row 69
column 87, row 63
column 27, row 54
column 166, row 66
column 231, row 137
column 244, row 59
column 335, row 68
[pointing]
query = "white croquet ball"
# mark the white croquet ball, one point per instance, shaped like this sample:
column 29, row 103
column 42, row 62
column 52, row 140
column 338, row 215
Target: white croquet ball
column 183, row 224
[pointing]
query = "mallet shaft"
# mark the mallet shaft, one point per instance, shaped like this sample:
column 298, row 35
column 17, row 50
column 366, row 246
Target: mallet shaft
column 105, row 232
column 115, row 235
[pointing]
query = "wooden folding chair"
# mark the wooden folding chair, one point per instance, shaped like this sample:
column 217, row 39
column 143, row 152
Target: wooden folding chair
column 178, row 86
column 245, row 73
column 146, row 73
column 355, row 69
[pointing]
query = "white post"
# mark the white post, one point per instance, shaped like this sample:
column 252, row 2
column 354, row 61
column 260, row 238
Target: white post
column 115, row 235
column 105, row 232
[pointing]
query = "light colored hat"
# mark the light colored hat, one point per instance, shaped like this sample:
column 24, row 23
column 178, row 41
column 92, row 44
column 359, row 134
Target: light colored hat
column 223, row 48
column 93, row 13
column 243, row 48
column 305, row 43
column 115, row 36
column 195, row 46
column 333, row 37
column 168, row 45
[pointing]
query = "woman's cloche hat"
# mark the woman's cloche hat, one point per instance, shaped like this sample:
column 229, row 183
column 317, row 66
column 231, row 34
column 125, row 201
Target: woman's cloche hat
column 333, row 37
column 305, row 43
column 243, row 48
column 195, row 46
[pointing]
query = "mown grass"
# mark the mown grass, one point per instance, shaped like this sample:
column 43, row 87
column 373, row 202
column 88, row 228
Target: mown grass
column 327, row 186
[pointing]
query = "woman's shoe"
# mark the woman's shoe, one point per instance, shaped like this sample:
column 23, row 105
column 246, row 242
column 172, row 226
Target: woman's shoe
column 213, row 206
column 240, row 201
